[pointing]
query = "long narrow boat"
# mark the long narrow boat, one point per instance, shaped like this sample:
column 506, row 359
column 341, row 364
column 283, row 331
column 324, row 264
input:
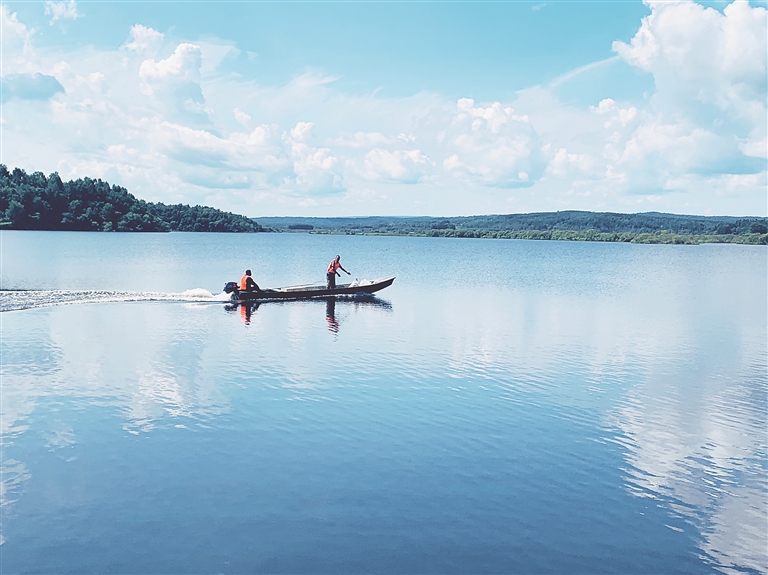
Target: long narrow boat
column 308, row 291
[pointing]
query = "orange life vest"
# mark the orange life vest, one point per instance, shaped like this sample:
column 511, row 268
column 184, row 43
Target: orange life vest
column 333, row 266
column 244, row 282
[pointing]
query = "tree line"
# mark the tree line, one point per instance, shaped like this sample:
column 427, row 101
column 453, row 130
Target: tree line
column 517, row 225
column 572, row 225
column 609, row 222
column 36, row 202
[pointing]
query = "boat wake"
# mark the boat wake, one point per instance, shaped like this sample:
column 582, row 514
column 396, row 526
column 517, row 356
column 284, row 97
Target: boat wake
column 14, row 300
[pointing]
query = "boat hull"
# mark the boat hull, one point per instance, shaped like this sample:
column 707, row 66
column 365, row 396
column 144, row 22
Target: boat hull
column 307, row 292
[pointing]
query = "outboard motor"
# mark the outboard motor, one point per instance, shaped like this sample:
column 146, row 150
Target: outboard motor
column 231, row 287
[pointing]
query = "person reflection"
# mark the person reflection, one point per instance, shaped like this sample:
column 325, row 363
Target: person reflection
column 330, row 315
column 246, row 309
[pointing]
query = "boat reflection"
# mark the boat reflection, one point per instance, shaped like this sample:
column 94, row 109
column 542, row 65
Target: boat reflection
column 246, row 309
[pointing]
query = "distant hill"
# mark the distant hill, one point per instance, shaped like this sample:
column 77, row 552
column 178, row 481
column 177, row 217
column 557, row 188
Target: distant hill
column 650, row 227
column 34, row 202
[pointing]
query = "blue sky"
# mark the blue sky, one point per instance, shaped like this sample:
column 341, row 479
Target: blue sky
column 401, row 108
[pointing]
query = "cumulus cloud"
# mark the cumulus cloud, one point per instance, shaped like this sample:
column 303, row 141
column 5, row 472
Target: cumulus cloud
column 301, row 132
column 144, row 40
column 564, row 164
column 720, row 56
column 14, row 33
column 183, row 64
column 709, row 67
column 242, row 118
column 402, row 166
column 61, row 10
column 175, row 84
column 161, row 116
column 261, row 150
column 707, row 117
column 701, row 135
column 492, row 145
column 314, row 168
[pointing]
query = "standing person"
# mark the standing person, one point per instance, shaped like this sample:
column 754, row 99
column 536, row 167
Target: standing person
column 247, row 283
column 333, row 271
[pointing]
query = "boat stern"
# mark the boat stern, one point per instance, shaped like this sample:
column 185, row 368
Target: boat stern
column 231, row 288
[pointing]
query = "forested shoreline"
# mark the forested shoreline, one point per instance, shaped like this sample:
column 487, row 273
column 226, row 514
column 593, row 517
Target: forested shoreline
column 647, row 228
column 36, row 202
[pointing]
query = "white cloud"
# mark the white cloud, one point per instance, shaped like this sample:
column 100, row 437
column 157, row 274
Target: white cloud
column 404, row 166
column 314, row 169
column 755, row 148
column 176, row 120
column 495, row 115
column 709, row 67
column 707, row 118
column 492, row 145
column 302, row 132
column 700, row 134
column 261, row 150
column 174, row 84
column 61, row 10
column 364, row 140
column 242, row 118
column 183, row 64
column 144, row 40
column 14, row 33
column 608, row 107
column 565, row 164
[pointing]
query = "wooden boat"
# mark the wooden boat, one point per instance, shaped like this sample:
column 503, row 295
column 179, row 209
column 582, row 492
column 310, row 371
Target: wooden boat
column 308, row 291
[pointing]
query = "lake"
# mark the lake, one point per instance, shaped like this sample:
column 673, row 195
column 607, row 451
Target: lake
column 505, row 407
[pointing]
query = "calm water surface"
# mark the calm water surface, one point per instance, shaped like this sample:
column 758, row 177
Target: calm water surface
column 504, row 407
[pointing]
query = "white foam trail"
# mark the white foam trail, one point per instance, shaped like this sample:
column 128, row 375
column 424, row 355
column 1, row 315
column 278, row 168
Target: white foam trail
column 204, row 294
column 197, row 293
column 27, row 299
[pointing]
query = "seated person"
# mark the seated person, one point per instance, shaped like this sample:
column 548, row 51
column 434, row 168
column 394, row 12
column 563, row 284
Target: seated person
column 247, row 283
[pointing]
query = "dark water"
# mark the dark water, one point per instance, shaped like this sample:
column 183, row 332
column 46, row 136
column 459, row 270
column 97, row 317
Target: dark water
column 505, row 406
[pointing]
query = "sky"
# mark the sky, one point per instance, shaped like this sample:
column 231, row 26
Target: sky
column 354, row 108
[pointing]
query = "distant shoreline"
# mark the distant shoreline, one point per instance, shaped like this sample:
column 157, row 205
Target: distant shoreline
column 571, row 235
column 36, row 202
column 534, row 235
column 641, row 228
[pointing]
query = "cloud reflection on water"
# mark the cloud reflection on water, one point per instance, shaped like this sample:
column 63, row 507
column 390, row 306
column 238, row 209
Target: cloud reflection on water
column 706, row 458
column 680, row 387
column 689, row 410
